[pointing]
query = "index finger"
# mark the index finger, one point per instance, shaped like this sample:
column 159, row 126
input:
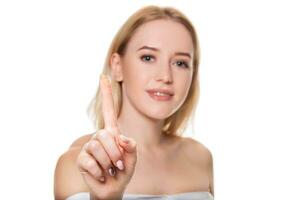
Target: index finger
column 108, row 110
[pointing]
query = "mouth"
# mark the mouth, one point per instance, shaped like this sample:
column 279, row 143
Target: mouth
column 160, row 95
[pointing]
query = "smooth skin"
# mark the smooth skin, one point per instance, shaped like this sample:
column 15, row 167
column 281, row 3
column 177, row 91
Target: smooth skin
column 149, row 157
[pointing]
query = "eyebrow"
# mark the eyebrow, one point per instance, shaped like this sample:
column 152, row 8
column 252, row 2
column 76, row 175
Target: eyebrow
column 156, row 49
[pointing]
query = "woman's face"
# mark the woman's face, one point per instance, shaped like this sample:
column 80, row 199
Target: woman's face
column 158, row 57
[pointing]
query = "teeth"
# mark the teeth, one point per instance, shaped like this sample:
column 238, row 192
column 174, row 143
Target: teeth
column 160, row 94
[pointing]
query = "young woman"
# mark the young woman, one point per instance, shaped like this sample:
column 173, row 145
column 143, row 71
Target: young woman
column 147, row 92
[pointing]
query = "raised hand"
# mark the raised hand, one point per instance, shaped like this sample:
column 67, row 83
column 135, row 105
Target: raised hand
column 107, row 161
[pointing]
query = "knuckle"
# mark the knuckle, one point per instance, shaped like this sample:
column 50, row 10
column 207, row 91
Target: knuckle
column 110, row 146
column 80, row 160
column 90, row 164
column 103, row 160
column 99, row 131
column 110, row 128
column 94, row 145
column 101, row 134
column 85, row 147
column 106, row 161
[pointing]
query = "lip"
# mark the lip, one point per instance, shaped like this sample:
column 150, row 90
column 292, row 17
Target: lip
column 169, row 93
column 166, row 91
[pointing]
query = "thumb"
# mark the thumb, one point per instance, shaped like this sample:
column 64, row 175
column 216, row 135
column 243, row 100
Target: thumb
column 128, row 144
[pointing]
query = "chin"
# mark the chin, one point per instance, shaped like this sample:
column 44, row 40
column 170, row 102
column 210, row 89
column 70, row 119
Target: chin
column 158, row 114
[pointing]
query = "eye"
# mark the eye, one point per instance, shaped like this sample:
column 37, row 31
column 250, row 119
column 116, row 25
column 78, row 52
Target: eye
column 182, row 63
column 146, row 58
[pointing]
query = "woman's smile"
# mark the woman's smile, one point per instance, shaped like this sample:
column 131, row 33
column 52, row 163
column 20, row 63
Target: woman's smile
column 160, row 94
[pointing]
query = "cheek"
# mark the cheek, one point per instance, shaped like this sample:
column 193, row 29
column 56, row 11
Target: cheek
column 137, row 73
column 182, row 83
column 135, row 78
column 182, row 79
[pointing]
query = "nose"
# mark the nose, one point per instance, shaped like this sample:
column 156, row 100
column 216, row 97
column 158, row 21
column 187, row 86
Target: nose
column 165, row 74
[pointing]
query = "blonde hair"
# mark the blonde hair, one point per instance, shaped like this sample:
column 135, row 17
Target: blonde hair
column 177, row 122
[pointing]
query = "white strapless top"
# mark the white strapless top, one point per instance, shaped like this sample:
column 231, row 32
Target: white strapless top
column 203, row 195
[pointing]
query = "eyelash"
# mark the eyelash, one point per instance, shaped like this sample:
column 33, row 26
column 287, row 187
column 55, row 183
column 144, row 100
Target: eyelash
column 184, row 63
column 143, row 56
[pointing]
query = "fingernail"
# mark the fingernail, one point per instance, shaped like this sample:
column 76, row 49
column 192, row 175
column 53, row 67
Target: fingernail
column 105, row 79
column 124, row 138
column 111, row 171
column 120, row 164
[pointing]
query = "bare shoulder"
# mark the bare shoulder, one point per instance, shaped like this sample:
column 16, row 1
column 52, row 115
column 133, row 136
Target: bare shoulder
column 198, row 151
column 67, row 178
column 202, row 156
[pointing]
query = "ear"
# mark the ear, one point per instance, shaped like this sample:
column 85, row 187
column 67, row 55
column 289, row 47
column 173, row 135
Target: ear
column 116, row 67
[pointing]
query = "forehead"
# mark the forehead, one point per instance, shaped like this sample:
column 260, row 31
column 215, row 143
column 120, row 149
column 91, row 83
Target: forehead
column 163, row 34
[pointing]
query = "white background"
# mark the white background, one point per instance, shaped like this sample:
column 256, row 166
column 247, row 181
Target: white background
column 51, row 55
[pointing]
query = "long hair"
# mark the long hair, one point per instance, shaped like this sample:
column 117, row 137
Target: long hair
column 176, row 123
